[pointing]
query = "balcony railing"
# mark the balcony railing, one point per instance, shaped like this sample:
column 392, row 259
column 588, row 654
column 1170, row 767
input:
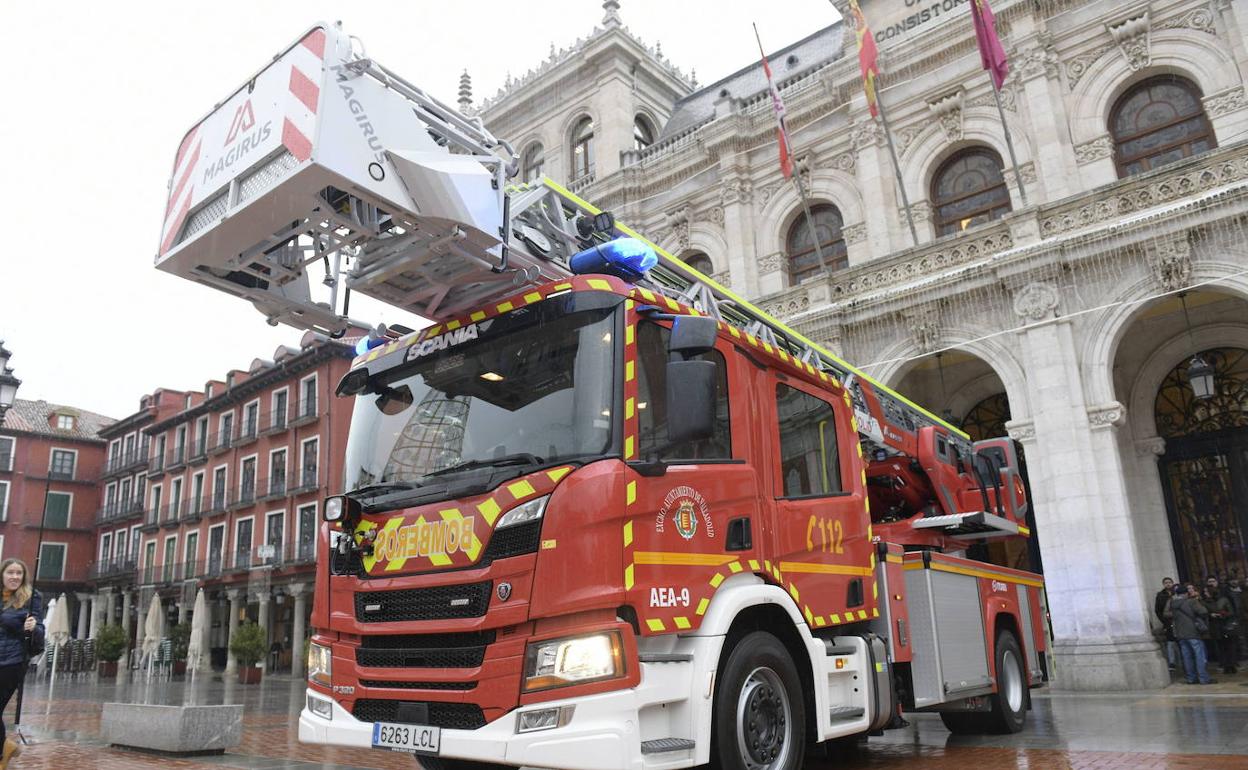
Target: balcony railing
column 305, row 412
column 279, row 556
column 156, row 465
column 199, row 450
column 307, row 479
column 271, row 488
column 176, row 458
column 221, row 441
column 248, row 430
column 243, row 495
column 275, row 421
column 117, row 510
column 112, row 568
column 126, row 461
column 170, row 514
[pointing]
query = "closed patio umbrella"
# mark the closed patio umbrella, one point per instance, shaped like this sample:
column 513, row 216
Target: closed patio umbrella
column 195, row 650
column 153, row 629
column 57, row 625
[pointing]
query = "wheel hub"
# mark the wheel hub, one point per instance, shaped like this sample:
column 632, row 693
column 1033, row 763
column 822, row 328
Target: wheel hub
column 763, row 727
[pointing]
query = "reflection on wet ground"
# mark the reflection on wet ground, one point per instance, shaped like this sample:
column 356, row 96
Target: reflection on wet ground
column 1180, row 728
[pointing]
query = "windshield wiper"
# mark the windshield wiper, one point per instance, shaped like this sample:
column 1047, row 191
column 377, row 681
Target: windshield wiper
column 389, row 486
column 519, row 458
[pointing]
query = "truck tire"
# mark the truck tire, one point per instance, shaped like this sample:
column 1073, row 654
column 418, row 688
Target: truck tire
column 760, row 714
column 1009, row 702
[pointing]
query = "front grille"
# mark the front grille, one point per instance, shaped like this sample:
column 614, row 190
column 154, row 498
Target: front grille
column 418, row 685
column 513, row 541
column 465, row 650
column 441, row 603
column 452, row 716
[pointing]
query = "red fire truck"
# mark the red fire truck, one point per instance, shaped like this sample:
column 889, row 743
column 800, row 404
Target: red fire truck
column 603, row 512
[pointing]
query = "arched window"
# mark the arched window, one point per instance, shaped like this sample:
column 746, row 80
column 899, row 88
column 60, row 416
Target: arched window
column 534, row 161
column 700, row 262
column 800, row 244
column 1156, row 122
column 968, row 190
column 583, row 149
column 643, row 134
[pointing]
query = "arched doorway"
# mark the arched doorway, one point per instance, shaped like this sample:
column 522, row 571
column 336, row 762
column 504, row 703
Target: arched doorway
column 1204, row 471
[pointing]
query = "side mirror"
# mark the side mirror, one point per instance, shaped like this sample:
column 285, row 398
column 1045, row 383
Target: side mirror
column 690, row 400
column 692, row 335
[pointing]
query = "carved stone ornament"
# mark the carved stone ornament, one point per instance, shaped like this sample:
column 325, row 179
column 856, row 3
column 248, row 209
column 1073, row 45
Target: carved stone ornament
column 948, row 111
column 866, row 135
column 678, row 224
column 925, row 331
column 844, row 162
column 1199, row 19
column 1227, row 101
column 1028, row 172
column 1078, row 66
column 1100, row 147
column 1132, row 37
column 1110, row 415
column 1036, row 301
column 770, row 263
column 790, row 307
column 1037, row 61
column 1172, row 262
column 736, row 191
column 1021, row 430
column 1154, row 446
column 921, row 211
column 855, row 233
column 716, row 215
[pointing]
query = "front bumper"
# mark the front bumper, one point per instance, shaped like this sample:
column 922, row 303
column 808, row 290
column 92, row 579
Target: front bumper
column 603, row 734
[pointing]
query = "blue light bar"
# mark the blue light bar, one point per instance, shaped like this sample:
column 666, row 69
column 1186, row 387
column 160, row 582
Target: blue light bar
column 626, row 258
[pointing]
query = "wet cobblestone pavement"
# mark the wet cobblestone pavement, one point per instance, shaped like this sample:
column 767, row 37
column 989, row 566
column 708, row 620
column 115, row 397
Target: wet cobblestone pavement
column 1180, row 728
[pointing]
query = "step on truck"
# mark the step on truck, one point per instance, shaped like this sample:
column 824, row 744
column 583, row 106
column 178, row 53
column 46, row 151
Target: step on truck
column 601, row 512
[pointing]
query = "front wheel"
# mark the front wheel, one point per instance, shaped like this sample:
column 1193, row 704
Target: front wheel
column 760, row 715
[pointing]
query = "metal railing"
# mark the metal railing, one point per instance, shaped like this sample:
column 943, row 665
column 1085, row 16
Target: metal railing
column 116, row 510
column 124, row 461
column 110, row 568
column 307, row 480
column 305, row 411
column 176, row 458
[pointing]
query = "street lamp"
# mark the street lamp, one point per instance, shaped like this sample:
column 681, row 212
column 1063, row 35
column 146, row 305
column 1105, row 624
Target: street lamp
column 8, row 383
column 1199, row 371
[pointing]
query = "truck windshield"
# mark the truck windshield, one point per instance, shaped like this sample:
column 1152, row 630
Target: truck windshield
column 534, row 388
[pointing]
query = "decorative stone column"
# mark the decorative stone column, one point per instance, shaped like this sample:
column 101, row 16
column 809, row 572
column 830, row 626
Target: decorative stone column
column 110, row 607
column 262, row 599
column 889, row 231
column 299, row 628
column 84, row 615
column 1102, row 639
column 183, row 611
column 233, row 594
column 740, row 262
column 1047, row 123
column 97, row 610
column 1155, row 541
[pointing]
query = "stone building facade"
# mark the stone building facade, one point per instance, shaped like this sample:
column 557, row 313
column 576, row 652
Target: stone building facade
column 1068, row 318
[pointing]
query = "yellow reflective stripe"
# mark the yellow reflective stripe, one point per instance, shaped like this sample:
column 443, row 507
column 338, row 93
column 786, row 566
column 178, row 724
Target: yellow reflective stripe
column 598, row 283
column 682, row 559
column 823, row 569
column 630, row 492
column 628, row 534
column 629, row 443
column 505, row 307
column 628, row 577
column 452, row 325
column 534, row 297
column 716, row 579
column 702, row 605
column 682, row 623
column 558, row 473
column 735, row 567
column 489, row 511
column 520, row 489
column 654, row 624
column 477, row 315
column 754, row 564
column 981, row 573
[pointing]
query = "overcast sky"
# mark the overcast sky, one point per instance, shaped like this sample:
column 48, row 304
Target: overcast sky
column 98, row 98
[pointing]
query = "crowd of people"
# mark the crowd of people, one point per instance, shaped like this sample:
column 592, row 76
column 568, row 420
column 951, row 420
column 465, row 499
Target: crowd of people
column 1203, row 624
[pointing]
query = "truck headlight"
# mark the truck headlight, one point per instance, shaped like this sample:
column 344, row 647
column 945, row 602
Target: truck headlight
column 573, row 660
column 522, row 514
column 320, row 664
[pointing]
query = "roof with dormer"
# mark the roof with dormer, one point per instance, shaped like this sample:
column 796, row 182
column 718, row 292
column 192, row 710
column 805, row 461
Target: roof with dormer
column 38, row 417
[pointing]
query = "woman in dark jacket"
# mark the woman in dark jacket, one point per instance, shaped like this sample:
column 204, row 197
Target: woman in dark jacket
column 1221, row 644
column 21, row 623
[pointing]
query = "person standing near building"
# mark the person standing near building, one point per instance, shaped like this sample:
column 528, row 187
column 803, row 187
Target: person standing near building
column 1235, row 592
column 1222, row 626
column 1160, row 602
column 21, row 627
column 1191, row 625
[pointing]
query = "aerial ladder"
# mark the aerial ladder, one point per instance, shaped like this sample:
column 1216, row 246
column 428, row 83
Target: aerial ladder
column 327, row 158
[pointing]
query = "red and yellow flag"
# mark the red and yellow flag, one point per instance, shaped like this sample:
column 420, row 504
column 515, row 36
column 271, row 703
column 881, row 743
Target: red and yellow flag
column 868, row 55
column 777, row 104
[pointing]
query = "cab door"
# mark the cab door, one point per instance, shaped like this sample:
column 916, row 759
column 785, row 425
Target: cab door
column 819, row 545
column 692, row 508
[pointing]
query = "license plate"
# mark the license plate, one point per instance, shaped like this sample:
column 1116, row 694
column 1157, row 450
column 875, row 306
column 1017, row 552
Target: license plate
column 423, row 739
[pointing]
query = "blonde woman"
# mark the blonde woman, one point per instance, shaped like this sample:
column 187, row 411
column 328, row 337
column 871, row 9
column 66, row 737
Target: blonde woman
column 21, row 623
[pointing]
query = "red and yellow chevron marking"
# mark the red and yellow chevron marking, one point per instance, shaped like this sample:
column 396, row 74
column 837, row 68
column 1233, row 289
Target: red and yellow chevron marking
column 632, row 422
column 440, row 535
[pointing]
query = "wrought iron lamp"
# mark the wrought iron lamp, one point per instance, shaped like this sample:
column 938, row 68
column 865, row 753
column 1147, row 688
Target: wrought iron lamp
column 8, row 383
column 1200, row 373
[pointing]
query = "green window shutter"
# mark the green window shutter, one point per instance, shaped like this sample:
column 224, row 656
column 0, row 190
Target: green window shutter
column 51, row 562
column 57, row 514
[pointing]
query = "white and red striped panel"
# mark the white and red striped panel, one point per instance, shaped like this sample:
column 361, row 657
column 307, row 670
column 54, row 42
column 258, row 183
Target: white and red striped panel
column 179, row 203
column 307, row 60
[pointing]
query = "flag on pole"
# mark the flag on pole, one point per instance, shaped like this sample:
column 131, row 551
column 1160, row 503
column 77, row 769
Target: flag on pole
column 868, row 56
column 991, row 53
column 782, row 131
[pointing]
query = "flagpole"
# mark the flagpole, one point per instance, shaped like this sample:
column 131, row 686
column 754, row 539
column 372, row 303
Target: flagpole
column 783, row 137
column 1009, row 142
column 888, row 135
column 810, row 220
